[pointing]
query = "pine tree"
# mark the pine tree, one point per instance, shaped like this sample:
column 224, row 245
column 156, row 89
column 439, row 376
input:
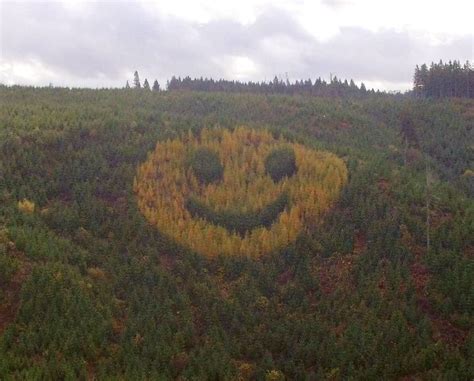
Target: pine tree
column 146, row 85
column 156, row 86
column 424, row 79
column 127, row 85
column 417, row 83
column 136, row 80
column 443, row 80
column 468, row 79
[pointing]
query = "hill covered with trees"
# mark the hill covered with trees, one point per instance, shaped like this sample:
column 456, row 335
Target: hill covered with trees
column 379, row 286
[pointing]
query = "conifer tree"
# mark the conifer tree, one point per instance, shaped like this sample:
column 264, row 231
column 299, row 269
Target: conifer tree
column 136, row 80
column 440, row 80
column 146, row 85
column 156, row 86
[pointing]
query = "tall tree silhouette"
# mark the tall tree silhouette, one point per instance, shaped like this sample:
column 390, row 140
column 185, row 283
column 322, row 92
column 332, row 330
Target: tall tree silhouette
column 442, row 80
column 136, row 80
column 319, row 87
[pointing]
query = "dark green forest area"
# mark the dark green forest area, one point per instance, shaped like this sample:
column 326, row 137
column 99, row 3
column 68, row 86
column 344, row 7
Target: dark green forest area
column 381, row 288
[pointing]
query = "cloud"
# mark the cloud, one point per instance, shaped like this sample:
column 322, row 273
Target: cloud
column 101, row 44
column 336, row 3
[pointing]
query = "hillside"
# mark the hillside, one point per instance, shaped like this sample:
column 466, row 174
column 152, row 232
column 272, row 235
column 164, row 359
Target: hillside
column 378, row 284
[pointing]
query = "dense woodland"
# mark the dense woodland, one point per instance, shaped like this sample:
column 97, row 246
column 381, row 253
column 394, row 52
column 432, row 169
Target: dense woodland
column 442, row 80
column 334, row 88
column 439, row 80
column 379, row 288
column 319, row 87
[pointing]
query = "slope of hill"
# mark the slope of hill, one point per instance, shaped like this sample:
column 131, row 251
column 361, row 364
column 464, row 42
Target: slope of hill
column 380, row 288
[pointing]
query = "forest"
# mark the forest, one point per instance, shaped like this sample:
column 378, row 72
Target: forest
column 334, row 242
column 441, row 80
column 336, row 87
column 319, row 87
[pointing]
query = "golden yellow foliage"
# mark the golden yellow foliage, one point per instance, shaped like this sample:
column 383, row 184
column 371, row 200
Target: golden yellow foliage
column 246, row 371
column 274, row 375
column 96, row 273
column 26, row 206
column 468, row 173
column 164, row 183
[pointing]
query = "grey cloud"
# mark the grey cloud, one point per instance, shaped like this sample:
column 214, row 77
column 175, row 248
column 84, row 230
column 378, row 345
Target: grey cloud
column 107, row 40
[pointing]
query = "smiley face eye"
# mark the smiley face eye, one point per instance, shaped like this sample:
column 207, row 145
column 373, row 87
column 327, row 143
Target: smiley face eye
column 280, row 163
column 206, row 166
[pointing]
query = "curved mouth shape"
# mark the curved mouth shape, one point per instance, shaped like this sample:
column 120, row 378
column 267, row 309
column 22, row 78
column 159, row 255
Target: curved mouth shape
column 240, row 223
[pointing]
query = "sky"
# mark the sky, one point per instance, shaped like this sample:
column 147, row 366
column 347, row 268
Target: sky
column 101, row 44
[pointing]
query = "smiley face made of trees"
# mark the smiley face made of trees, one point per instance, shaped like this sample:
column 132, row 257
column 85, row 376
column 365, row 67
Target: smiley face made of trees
column 241, row 192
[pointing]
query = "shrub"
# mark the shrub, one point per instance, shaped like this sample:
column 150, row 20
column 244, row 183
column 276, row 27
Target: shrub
column 280, row 163
column 274, row 375
column 26, row 206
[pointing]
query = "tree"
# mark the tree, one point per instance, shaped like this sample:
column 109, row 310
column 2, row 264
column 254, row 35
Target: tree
column 280, row 163
column 442, row 80
column 136, row 80
column 417, row 82
column 429, row 182
column 407, row 128
column 206, row 165
column 127, row 85
column 156, row 86
column 26, row 206
column 146, row 85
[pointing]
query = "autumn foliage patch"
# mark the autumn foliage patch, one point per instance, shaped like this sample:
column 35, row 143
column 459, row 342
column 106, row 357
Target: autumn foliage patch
column 244, row 192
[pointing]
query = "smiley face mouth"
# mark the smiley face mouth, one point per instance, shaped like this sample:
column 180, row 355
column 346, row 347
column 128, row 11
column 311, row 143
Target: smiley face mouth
column 239, row 223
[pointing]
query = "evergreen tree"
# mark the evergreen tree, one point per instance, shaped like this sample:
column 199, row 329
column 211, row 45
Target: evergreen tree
column 417, row 82
column 156, row 86
column 136, row 80
column 468, row 79
column 443, row 80
column 336, row 87
column 127, row 85
column 146, row 85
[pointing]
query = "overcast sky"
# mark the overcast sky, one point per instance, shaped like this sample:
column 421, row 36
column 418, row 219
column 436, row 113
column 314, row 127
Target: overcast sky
column 101, row 44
